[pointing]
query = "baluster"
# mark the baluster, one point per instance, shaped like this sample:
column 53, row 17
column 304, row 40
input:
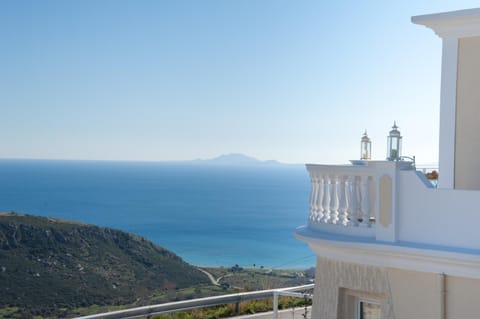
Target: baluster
column 374, row 199
column 365, row 201
column 334, row 202
column 352, row 193
column 319, row 198
column 326, row 199
column 343, row 201
column 313, row 197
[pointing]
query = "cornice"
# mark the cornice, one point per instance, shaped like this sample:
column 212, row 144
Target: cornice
column 390, row 255
column 456, row 24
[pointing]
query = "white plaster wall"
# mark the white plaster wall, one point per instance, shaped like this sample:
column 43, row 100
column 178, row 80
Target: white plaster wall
column 332, row 276
column 447, row 217
column 402, row 294
column 448, row 101
column 462, row 298
column 467, row 143
column 415, row 294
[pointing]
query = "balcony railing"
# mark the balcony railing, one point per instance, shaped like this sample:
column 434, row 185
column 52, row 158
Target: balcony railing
column 343, row 199
column 342, row 195
column 355, row 199
column 303, row 291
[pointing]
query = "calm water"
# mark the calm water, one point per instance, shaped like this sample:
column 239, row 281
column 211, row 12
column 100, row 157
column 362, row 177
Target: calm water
column 209, row 215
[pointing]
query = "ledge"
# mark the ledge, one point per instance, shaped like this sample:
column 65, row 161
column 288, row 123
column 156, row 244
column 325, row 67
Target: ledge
column 402, row 255
column 356, row 231
column 459, row 23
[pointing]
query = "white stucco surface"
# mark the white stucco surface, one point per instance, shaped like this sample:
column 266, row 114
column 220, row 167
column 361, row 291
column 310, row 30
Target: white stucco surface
column 467, row 144
column 443, row 217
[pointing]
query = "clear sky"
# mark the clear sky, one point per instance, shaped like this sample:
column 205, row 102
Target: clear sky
column 294, row 81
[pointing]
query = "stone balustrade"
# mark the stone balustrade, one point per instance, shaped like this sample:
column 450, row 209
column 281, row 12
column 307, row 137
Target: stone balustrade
column 343, row 195
column 389, row 201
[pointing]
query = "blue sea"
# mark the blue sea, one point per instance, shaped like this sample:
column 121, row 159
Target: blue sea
column 210, row 215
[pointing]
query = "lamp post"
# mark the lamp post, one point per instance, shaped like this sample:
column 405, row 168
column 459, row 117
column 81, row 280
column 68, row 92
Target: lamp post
column 394, row 144
column 365, row 147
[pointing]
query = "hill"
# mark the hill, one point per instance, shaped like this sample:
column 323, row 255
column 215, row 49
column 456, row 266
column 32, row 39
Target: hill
column 48, row 264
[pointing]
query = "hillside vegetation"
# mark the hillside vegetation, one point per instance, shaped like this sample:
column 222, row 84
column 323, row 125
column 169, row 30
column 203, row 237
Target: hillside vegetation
column 52, row 268
column 47, row 265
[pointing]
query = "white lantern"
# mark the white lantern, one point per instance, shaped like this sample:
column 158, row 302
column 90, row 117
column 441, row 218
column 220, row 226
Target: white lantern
column 394, row 144
column 365, row 147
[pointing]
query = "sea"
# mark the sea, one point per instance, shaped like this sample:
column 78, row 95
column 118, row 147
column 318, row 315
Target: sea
column 210, row 215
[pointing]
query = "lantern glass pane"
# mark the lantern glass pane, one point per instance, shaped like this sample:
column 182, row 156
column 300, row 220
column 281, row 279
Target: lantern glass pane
column 366, row 150
column 393, row 148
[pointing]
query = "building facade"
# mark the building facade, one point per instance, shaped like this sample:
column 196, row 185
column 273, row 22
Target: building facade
column 388, row 243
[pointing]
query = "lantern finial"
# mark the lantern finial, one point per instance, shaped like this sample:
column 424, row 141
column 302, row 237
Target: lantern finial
column 394, row 143
column 365, row 147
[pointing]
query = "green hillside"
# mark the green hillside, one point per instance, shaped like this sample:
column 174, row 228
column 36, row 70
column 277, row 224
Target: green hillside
column 48, row 264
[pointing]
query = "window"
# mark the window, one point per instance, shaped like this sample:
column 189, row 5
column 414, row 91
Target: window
column 356, row 304
column 368, row 309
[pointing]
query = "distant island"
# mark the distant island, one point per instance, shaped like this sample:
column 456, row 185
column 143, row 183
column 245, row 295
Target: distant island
column 58, row 268
column 236, row 159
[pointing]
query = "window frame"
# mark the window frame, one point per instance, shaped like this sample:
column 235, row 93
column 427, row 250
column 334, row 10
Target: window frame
column 358, row 305
column 348, row 306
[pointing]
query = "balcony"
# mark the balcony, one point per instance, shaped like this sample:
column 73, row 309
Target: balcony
column 389, row 208
column 348, row 199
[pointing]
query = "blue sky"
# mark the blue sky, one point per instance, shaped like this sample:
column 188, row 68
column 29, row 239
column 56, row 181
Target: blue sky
column 295, row 81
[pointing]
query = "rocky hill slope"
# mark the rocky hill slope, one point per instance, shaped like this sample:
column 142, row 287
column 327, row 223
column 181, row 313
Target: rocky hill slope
column 47, row 264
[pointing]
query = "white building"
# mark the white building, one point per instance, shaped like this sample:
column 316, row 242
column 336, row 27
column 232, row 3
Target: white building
column 389, row 244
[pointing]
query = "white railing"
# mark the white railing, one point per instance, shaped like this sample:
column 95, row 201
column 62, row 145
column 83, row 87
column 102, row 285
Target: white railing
column 343, row 195
column 148, row 311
